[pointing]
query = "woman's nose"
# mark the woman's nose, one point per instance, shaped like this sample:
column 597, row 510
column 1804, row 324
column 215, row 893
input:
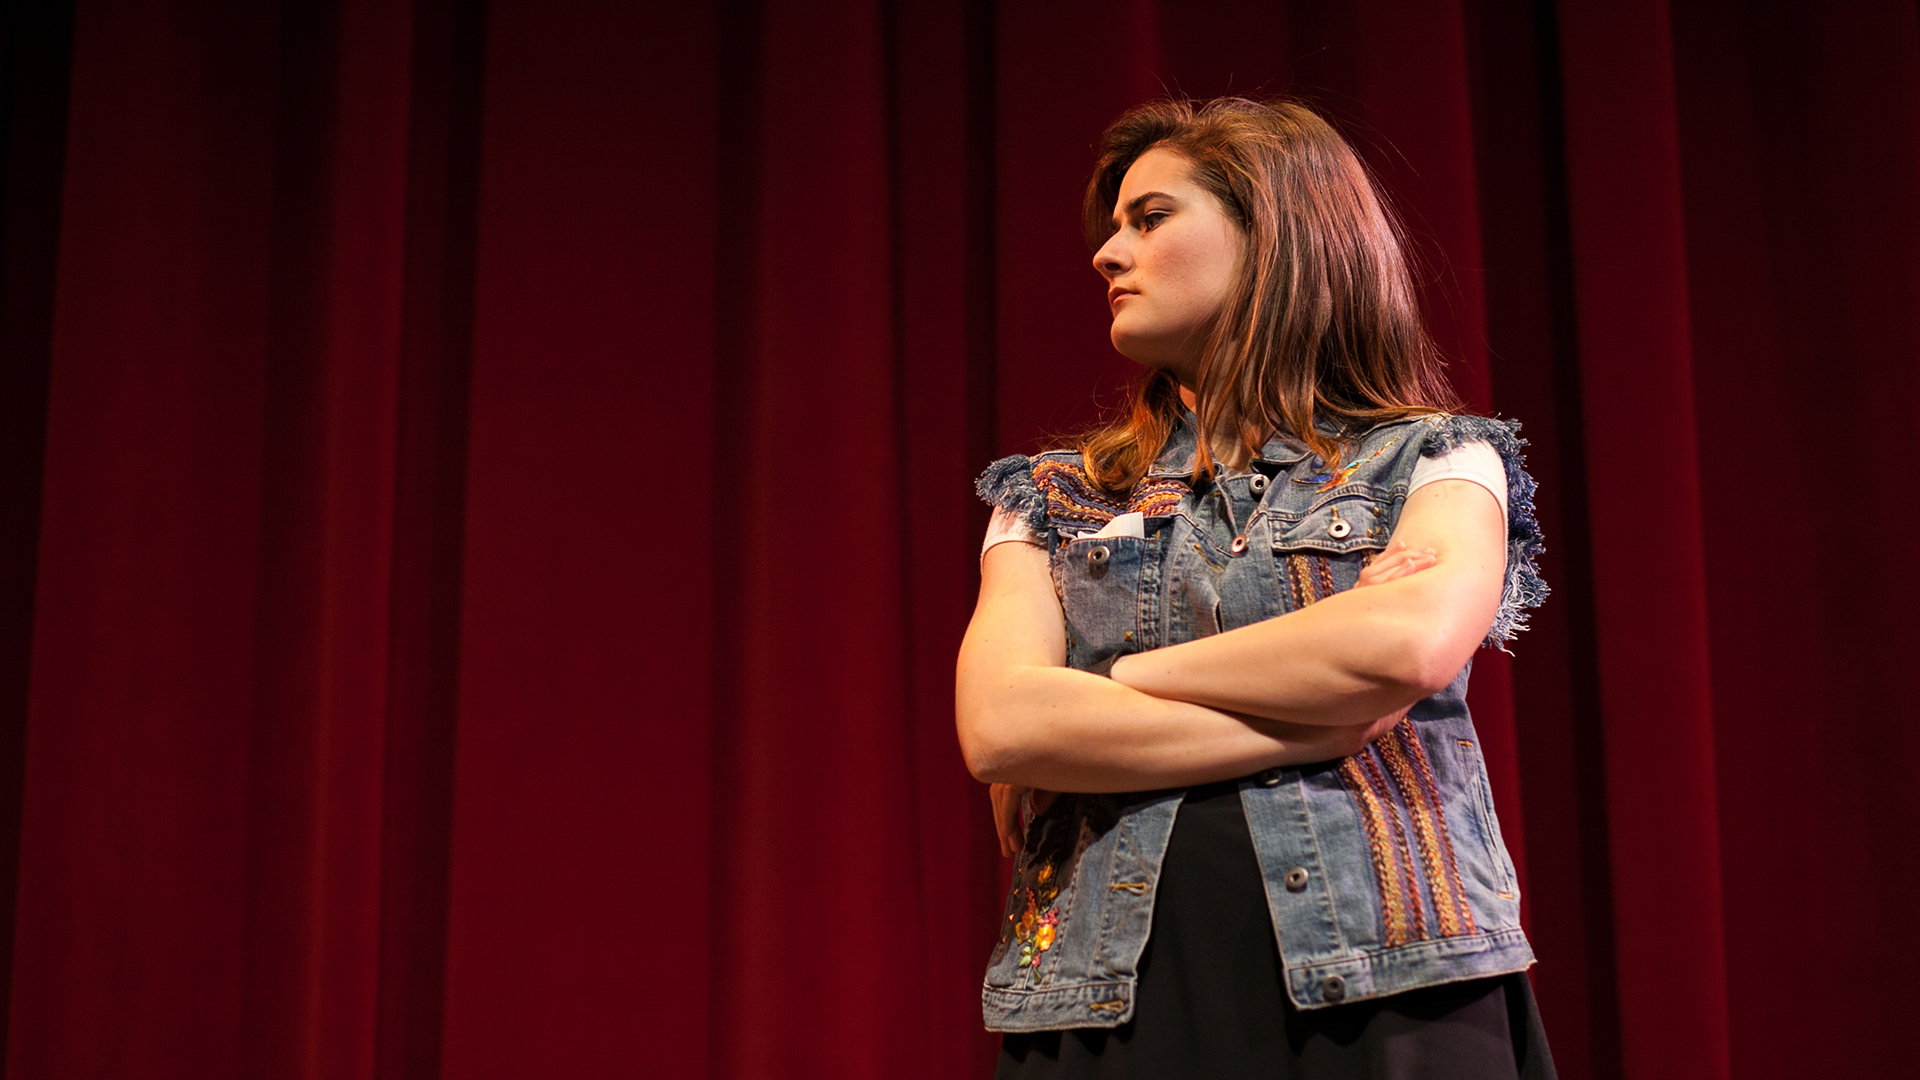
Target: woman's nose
column 1112, row 259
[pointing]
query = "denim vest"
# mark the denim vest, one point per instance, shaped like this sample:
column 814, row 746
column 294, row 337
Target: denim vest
column 1384, row 871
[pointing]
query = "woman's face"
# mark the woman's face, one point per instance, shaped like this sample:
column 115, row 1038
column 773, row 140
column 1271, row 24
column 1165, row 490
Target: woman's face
column 1170, row 264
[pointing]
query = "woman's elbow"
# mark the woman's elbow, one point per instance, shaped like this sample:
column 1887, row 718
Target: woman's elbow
column 1417, row 662
column 985, row 746
column 1433, row 672
column 990, row 761
column 1430, row 663
column 982, row 756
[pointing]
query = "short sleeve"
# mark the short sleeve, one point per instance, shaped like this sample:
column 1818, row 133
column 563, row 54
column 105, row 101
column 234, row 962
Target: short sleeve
column 1007, row 527
column 1007, row 485
column 1482, row 449
column 1474, row 462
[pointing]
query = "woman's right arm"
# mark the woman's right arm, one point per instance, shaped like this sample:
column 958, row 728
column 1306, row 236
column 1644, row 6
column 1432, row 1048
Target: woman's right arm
column 1027, row 719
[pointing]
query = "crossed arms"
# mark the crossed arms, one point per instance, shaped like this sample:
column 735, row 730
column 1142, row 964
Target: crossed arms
column 1313, row 685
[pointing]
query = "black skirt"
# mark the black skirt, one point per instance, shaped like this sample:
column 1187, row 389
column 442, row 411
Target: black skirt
column 1211, row 1001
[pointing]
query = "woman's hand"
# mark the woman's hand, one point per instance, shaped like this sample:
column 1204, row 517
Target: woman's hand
column 1007, row 823
column 1369, row 732
column 1309, row 743
column 1396, row 562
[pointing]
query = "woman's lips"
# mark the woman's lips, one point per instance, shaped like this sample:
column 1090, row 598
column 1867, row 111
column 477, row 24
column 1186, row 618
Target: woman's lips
column 1114, row 296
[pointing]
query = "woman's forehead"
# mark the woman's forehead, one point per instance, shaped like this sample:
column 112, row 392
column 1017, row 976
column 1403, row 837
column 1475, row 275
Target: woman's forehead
column 1157, row 169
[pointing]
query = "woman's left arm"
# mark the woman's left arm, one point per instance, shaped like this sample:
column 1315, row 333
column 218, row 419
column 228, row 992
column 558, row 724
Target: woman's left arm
column 1362, row 653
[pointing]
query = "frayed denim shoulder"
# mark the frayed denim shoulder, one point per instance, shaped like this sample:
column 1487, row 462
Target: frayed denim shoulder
column 1524, row 588
column 1008, row 484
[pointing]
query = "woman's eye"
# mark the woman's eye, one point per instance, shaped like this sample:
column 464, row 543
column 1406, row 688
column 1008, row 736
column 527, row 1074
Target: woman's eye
column 1151, row 219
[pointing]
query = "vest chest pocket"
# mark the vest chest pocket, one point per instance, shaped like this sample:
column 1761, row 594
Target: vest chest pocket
column 1321, row 550
column 1102, row 583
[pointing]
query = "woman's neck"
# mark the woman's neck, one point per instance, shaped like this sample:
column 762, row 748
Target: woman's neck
column 1226, row 449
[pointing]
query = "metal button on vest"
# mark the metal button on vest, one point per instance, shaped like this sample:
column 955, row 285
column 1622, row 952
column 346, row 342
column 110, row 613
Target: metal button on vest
column 1334, row 989
column 1270, row 778
column 1239, row 545
column 1257, row 485
column 1296, row 879
column 1098, row 557
column 1339, row 529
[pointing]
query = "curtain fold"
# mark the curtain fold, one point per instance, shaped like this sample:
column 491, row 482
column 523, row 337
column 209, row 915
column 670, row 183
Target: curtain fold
column 1797, row 127
column 1631, row 311
column 491, row 514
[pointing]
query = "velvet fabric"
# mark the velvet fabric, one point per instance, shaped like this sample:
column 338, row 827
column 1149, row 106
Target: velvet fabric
column 486, row 508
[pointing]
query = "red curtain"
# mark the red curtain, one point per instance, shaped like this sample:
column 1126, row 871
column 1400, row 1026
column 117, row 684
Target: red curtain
column 487, row 515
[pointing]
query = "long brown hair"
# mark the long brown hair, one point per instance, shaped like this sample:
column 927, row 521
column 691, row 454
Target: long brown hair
column 1321, row 336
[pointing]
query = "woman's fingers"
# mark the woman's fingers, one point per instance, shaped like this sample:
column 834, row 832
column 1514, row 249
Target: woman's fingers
column 1006, row 817
column 1339, row 742
column 1008, row 823
column 1382, row 568
column 1415, row 562
column 1397, row 561
column 1385, row 724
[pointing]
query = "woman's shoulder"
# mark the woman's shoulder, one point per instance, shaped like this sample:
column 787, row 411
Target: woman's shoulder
column 1388, row 453
column 1439, row 435
column 1055, row 490
column 1442, row 433
column 1021, row 485
column 1007, row 485
column 1436, row 433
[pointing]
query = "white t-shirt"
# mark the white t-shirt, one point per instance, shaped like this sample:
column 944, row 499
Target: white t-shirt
column 1474, row 462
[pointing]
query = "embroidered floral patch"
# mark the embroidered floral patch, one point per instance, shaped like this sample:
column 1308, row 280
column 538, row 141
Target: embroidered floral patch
column 1040, row 901
column 1040, row 931
column 1034, row 929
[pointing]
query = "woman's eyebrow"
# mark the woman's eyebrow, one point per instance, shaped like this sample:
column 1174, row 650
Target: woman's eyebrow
column 1134, row 204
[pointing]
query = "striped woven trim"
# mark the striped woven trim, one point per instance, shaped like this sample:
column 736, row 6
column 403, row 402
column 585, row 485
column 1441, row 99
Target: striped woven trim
column 1158, row 496
column 1073, row 498
column 1412, row 773
column 1309, row 579
column 1400, row 910
column 1393, row 785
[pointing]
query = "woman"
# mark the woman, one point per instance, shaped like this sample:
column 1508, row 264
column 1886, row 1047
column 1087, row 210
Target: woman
column 1236, row 627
